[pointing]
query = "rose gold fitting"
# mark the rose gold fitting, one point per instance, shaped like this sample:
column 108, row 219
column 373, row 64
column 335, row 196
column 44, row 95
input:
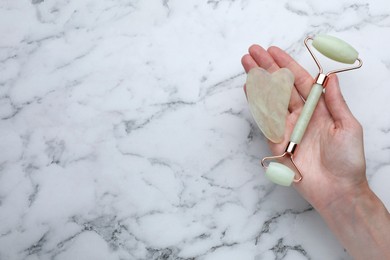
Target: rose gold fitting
column 322, row 78
column 288, row 152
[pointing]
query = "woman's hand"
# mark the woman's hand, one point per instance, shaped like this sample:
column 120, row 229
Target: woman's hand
column 331, row 160
column 330, row 156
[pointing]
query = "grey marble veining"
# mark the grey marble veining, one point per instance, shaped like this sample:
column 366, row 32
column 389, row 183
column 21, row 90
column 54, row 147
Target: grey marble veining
column 125, row 133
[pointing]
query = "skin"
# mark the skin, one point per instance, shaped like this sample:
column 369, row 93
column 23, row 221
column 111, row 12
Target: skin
column 331, row 158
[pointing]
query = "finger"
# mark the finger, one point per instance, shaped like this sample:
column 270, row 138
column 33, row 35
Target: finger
column 296, row 102
column 248, row 62
column 263, row 58
column 303, row 80
column 335, row 102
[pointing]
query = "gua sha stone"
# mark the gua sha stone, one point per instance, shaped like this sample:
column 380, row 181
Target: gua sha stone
column 268, row 97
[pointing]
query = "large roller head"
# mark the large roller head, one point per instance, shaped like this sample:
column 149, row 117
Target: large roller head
column 335, row 49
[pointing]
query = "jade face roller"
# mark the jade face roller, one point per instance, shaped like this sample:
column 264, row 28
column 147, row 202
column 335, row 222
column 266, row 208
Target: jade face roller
column 334, row 49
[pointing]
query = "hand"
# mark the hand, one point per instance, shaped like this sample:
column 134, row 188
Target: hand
column 330, row 156
column 331, row 159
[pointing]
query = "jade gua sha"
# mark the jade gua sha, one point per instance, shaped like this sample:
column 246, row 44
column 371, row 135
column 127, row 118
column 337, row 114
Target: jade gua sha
column 268, row 98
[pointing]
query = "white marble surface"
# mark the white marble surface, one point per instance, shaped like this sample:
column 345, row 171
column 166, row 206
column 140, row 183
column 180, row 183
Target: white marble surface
column 125, row 133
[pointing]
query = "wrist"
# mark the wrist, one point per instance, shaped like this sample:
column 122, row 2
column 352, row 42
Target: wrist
column 348, row 200
column 361, row 222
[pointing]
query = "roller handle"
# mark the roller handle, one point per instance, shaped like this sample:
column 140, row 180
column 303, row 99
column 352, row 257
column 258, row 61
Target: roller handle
column 277, row 172
column 306, row 114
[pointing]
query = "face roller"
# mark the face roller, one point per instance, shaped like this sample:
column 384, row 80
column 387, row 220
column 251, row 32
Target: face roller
column 334, row 49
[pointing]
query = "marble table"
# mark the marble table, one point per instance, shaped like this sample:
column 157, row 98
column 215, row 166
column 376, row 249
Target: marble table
column 125, row 132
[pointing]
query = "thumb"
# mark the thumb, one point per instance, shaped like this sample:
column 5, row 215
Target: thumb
column 335, row 101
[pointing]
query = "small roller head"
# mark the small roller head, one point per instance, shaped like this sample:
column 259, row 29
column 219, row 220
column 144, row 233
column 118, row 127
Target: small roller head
column 279, row 174
column 335, row 49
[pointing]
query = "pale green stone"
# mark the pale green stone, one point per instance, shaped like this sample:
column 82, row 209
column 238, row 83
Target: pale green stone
column 307, row 112
column 280, row 174
column 268, row 99
column 335, row 49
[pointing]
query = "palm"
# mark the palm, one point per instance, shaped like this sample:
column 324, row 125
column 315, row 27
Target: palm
column 323, row 155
